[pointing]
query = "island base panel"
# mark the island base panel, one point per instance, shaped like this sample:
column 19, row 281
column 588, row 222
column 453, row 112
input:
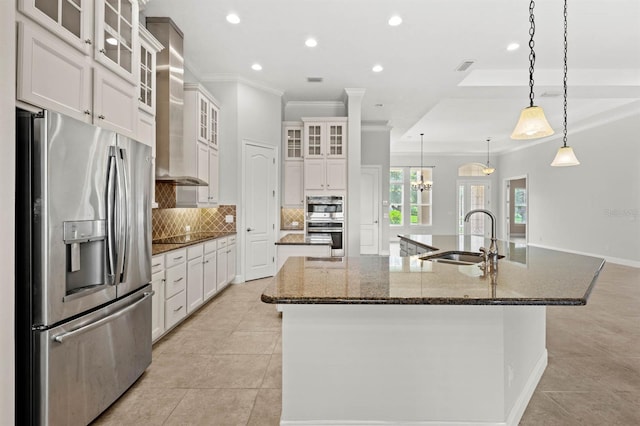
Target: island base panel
column 419, row 364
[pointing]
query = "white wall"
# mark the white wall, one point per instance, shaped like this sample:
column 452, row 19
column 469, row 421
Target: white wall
column 591, row 208
column 246, row 113
column 7, row 217
column 444, row 202
column 375, row 151
column 294, row 111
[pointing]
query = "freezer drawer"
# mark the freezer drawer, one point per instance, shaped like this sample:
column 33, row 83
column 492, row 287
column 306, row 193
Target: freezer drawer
column 87, row 363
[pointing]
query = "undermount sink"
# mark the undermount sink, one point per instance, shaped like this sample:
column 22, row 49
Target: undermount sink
column 457, row 257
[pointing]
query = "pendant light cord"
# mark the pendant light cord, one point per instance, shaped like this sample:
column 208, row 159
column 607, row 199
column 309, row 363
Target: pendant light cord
column 564, row 138
column 421, row 156
column 532, row 53
column 488, row 140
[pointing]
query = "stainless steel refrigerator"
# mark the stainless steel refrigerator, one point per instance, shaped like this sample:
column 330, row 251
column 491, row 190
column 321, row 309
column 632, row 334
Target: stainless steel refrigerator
column 83, row 255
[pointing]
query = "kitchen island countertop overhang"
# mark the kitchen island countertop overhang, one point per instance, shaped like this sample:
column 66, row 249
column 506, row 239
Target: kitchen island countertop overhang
column 526, row 276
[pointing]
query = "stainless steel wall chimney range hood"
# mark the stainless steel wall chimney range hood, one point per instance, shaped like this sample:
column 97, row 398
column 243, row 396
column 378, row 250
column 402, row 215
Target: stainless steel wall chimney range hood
column 170, row 150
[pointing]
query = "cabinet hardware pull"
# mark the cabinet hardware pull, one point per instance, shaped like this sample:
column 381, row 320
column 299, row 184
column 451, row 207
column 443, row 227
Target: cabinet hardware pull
column 102, row 51
column 178, row 280
column 87, row 112
column 179, row 257
column 164, row 280
column 177, row 309
column 88, row 41
column 101, row 117
column 156, row 264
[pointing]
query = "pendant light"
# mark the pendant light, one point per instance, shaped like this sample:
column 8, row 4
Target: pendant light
column 421, row 185
column 565, row 156
column 532, row 123
column 488, row 169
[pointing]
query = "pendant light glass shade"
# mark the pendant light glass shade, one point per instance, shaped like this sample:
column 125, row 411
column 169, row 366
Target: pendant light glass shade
column 565, row 157
column 532, row 124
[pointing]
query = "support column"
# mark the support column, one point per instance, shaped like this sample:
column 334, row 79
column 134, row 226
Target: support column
column 354, row 154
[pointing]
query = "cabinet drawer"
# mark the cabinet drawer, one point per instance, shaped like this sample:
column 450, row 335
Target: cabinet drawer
column 157, row 263
column 231, row 240
column 194, row 251
column 176, row 280
column 210, row 246
column 175, row 309
column 175, row 257
column 222, row 242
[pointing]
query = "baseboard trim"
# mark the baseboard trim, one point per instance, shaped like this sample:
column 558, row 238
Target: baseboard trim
column 525, row 396
column 616, row 260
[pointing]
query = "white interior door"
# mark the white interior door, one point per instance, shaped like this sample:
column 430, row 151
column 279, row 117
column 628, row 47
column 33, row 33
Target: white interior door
column 474, row 195
column 370, row 210
column 259, row 189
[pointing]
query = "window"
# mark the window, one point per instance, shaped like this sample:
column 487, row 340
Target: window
column 471, row 169
column 407, row 202
column 396, row 195
column 520, row 206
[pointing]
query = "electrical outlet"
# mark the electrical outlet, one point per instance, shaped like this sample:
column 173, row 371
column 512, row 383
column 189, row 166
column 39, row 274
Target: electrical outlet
column 228, row 218
column 187, row 228
column 295, row 223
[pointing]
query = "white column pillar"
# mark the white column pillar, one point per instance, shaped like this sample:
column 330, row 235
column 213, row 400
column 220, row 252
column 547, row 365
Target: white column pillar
column 354, row 154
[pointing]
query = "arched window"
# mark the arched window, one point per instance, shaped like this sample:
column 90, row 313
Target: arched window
column 471, row 169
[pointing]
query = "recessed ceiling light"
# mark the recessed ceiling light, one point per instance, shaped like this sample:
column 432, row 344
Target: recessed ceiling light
column 311, row 42
column 256, row 67
column 377, row 68
column 395, row 20
column 112, row 41
column 513, row 46
column 232, row 18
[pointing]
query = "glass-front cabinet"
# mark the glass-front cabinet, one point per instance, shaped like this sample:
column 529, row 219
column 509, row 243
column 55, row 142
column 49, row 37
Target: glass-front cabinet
column 70, row 20
column 117, row 36
column 293, row 142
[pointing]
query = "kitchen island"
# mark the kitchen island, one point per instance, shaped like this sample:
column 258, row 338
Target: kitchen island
column 391, row 340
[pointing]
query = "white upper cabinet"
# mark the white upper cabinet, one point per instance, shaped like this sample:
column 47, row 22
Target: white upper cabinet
column 115, row 105
column 292, row 142
column 51, row 74
column 116, row 34
column 200, row 153
column 325, row 139
column 71, row 20
column 149, row 47
column 325, row 154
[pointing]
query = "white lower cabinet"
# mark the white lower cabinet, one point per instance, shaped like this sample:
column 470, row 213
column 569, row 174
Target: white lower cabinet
column 209, row 286
column 157, row 300
column 184, row 279
column 222, row 259
column 231, row 259
column 194, row 277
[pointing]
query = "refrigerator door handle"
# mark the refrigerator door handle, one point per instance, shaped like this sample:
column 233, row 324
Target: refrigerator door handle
column 61, row 338
column 121, row 216
column 127, row 213
column 111, row 220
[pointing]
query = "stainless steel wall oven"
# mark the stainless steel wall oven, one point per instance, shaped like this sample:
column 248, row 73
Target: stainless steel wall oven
column 325, row 216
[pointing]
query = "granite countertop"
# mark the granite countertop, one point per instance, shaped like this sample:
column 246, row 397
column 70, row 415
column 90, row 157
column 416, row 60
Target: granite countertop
column 164, row 245
column 301, row 239
column 423, row 240
column 525, row 276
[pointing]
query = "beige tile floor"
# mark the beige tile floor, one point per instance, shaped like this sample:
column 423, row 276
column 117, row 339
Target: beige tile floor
column 223, row 366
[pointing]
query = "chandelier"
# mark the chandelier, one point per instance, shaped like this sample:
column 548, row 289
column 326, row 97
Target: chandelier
column 421, row 185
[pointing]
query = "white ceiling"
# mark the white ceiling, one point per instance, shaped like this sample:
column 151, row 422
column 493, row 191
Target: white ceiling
column 420, row 89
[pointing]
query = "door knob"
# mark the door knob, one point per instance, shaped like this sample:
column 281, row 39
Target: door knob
column 249, row 229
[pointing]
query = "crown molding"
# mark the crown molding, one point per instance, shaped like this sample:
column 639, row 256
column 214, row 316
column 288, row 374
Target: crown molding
column 235, row 78
column 315, row 104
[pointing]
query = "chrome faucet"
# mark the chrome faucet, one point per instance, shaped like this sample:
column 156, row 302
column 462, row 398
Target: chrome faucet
column 490, row 256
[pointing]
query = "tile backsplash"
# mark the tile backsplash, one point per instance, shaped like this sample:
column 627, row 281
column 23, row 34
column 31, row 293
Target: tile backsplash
column 167, row 222
column 289, row 216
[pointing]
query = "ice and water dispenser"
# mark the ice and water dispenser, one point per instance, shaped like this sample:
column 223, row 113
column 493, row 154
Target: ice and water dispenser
column 85, row 243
